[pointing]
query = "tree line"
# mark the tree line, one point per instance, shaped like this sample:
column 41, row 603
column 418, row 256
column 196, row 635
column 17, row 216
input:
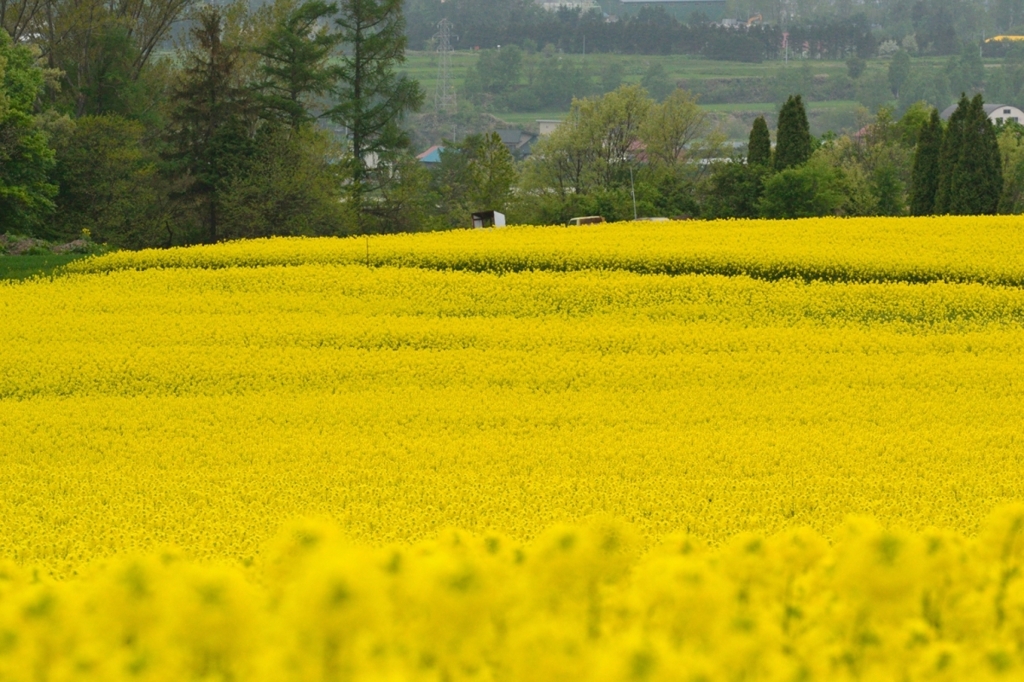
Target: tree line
column 826, row 30
column 487, row 24
column 286, row 119
column 623, row 155
column 914, row 165
column 289, row 120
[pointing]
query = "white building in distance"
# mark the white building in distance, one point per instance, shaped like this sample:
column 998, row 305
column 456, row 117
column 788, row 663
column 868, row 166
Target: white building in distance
column 555, row 5
column 997, row 113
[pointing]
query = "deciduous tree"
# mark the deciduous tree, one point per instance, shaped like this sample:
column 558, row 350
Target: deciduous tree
column 26, row 193
column 899, row 72
column 672, row 127
column 476, row 174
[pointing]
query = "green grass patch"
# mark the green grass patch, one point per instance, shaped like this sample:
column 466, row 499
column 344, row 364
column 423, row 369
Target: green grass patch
column 23, row 267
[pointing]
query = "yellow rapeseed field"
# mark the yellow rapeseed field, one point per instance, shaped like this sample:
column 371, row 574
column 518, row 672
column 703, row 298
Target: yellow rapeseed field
column 732, row 450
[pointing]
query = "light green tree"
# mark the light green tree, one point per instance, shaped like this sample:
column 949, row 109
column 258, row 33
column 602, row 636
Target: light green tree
column 598, row 144
column 26, row 159
column 811, row 190
column 673, row 127
column 899, row 72
column 1011, row 149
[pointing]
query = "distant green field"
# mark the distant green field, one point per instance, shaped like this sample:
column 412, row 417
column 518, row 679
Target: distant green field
column 760, row 107
column 423, row 67
column 23, row 267
column 824, row 115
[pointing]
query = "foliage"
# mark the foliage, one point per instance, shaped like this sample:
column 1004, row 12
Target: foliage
column 290, row 187
column 793, row 135
column 108, row 182
column 675, row 130
column 597, row 144
column 735, row 190
column 925, row 179
column 101, row 51
column 495, row 71
column 656, row 82
column 26, row 159
column 931, row 87
column 401, row 196
column 618, row 147
column 855, row 67
column 209, row 134
column 1011, row 148
column 899, row 72
column 476, row 174
column 648, row 30
column 810, row 190
column 371, row 97
column 873, row 91
column 759, row 147
column 294, row 69
column 554, row 81
column 949, row 156
column 977, row 178
column 966, row 71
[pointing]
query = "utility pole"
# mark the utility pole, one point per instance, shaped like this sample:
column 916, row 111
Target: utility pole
column 444, row 94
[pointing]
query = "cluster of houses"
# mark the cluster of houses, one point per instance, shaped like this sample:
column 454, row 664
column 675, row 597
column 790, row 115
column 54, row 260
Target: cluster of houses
column 519, row 142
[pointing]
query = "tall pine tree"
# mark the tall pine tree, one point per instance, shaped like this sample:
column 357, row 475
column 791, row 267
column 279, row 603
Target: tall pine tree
column 208, row 134
column 793, row 137
column 978, row 175
column 949, row 155
column 372, row 98
column 295, row 66
column 759, row 150
column 924, row 178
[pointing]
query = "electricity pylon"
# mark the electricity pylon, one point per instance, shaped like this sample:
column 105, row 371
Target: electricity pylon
column 444, row 94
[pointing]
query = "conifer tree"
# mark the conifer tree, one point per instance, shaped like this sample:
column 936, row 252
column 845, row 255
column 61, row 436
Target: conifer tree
column 294, row 67
column 978, row 177
column 372, row 97
column 793, row 136
column 924, row 179
column 208, row 134
column 759, row 149
column 949, row 154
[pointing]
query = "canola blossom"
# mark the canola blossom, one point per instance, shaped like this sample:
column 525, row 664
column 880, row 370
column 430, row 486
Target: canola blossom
column 807, row 471
column 576, row 603
column 986, row 249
